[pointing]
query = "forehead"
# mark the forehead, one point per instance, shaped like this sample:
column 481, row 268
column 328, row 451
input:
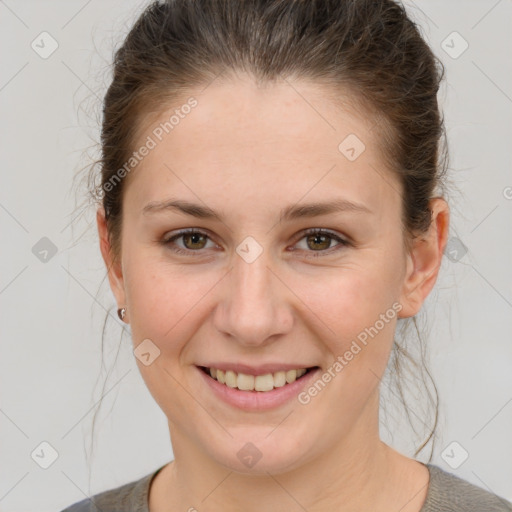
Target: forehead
column 279, row 140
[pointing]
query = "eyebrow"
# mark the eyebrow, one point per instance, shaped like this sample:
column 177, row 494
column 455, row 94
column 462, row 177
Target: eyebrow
column 289, row 213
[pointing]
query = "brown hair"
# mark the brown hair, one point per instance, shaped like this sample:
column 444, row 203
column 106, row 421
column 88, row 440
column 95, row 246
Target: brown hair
column 369, row 48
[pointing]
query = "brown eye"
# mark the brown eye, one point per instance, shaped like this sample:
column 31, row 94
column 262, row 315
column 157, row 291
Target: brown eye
column 188, row 242
column 319, row 242
column 196, row 241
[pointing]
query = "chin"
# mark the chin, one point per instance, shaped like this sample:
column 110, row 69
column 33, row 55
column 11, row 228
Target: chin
column 260, row 453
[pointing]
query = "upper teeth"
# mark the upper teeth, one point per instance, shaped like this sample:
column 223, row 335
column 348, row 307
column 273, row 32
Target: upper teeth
column 265, row 382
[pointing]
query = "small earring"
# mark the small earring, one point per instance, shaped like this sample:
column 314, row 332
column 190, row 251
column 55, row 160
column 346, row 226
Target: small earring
column 121, row 313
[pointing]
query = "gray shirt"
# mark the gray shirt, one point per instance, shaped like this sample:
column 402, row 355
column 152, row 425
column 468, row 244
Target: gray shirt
column 446, row 493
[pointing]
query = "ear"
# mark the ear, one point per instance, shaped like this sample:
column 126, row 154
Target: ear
column 424, row 259
column 114, row 268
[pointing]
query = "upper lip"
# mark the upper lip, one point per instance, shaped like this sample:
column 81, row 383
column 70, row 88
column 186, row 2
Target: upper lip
column 261, row 369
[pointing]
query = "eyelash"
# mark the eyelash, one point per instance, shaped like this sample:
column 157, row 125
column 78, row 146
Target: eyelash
column 312, row 231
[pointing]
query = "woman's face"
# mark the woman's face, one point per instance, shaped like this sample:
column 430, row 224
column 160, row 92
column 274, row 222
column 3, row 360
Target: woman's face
column 250, row 287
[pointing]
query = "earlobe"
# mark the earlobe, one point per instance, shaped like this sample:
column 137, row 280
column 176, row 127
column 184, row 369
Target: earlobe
column 424, row 260
column 113, row 265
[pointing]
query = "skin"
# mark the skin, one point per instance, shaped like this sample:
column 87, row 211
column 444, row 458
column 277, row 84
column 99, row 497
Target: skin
column 246, row 152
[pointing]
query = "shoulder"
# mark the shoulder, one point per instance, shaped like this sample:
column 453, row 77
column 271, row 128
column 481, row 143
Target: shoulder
column 132, row 497
column 449, row 493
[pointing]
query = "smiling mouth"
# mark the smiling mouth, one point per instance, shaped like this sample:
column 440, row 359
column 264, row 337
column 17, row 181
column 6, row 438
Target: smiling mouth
column 256, row 383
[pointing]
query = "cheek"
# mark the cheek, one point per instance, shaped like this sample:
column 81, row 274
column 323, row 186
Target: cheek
column 361, row 314
column 166, row 308
column 358, row 307
column 161, row 298
column 351, row 298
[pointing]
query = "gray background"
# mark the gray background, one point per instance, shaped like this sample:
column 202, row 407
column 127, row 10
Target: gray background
column 53, row 305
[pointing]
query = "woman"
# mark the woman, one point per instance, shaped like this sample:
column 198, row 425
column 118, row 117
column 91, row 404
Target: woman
column 270, row 209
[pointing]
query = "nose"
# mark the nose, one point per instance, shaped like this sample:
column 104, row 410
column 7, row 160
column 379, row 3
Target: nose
column 254, row 309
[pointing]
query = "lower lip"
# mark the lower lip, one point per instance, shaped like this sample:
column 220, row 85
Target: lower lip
column 259, row 400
